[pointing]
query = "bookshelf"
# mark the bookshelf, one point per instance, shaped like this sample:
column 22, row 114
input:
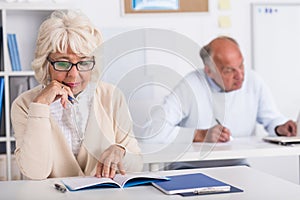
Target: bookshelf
column 23, row 19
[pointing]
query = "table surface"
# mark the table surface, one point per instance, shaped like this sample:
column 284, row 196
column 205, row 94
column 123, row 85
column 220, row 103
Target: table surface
column 256, row 185
column 246, row 147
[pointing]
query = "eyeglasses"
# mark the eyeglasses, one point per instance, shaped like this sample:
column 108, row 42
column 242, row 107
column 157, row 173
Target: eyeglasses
column 65, row 66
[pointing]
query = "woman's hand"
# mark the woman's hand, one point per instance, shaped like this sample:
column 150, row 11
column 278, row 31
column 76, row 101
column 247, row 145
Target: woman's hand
column 55, row 90
column 111, row 161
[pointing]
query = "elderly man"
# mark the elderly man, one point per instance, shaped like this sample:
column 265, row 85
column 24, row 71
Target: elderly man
column 221, row 102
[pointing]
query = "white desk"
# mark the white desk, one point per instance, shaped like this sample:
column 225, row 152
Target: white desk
column 256, row 185
column 248, row 147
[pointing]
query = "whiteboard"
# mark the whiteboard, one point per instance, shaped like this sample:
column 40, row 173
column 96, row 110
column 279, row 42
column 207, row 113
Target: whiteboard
column 276, row 52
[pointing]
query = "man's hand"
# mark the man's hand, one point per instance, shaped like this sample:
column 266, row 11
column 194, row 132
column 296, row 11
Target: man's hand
column 287, row 129
column 111, row 161
column 217, row 133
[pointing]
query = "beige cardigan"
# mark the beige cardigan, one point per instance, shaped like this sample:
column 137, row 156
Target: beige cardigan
column 42, row 150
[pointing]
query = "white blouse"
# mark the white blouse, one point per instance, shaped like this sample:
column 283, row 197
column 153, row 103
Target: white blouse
column 73, row 119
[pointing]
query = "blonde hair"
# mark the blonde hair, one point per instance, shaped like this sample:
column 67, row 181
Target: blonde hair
column 63, row 30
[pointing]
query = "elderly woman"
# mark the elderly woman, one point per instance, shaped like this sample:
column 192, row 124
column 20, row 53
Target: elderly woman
column 72, row 124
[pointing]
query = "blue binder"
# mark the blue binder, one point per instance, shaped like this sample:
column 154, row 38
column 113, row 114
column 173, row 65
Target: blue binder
column 11, row 51
column 1, row 96
column 193, row 184
column 17, row 55
column 14, row 52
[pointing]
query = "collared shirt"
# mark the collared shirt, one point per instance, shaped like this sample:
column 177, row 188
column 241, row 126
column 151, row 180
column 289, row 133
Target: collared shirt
column 197, row 101
column 73, row 119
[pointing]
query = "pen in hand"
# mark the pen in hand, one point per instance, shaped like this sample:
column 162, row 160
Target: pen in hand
column 72, row 100
column 231, row 138
column 218, row 122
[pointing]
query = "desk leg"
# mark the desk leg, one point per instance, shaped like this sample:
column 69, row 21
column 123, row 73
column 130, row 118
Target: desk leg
column 154, row 167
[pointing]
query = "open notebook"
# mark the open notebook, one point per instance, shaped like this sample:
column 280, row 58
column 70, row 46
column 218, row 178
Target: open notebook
column 283, row 140
column 121, row 181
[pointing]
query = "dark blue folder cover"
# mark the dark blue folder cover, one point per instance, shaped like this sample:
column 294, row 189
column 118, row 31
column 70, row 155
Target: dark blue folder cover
column 194, row 184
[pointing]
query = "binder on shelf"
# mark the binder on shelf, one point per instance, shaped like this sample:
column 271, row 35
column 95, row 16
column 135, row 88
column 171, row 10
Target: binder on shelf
column 1, row 50
column 13, row 52
column 20, row 84
column 17, row 55
column 1, row 98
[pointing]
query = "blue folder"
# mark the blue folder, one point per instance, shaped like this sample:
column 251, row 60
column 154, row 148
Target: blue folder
column 1, row 96
column 194, row 184
column 11, row 51
column 16, row 53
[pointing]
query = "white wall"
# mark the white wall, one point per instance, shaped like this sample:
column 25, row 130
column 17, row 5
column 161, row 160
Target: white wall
column 200, row 27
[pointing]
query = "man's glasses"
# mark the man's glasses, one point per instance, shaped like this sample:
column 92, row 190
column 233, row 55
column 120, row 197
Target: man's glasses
column 65, row 66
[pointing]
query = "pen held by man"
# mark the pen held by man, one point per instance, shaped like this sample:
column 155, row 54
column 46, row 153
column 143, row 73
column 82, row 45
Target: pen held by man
column 227, row 130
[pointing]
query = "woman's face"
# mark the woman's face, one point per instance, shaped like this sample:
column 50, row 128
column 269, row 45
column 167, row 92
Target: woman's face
column 76, row 80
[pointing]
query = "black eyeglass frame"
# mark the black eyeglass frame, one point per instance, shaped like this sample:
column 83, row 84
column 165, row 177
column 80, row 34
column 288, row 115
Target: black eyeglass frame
column 72, row 64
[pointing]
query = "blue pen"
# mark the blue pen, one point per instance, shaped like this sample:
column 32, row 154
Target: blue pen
column 72, row 100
